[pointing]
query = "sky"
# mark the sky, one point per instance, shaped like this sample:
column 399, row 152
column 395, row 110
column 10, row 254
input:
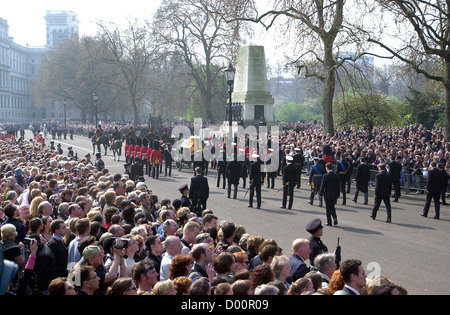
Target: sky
column 27, row 23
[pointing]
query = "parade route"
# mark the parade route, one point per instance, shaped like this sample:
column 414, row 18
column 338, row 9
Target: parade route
column 412, row 251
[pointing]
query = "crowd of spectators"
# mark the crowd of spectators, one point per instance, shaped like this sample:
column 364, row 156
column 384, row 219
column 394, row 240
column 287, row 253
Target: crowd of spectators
column 71, row 229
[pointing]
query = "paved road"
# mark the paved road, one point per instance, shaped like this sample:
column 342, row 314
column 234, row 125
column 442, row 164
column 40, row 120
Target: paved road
column 412, row 250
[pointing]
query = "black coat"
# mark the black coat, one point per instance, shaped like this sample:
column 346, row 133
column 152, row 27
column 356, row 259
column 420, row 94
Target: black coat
column 137, row 170
column 435, row 181
column 255, row 173
column 290, row 175
column 199, row 189
column 330, row 188
column 383, row 184
column 233, row 172
column 363, row 177
column 395, row 169
column 61, row 255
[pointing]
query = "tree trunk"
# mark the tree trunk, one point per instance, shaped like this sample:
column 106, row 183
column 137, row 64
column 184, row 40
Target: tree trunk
column 328, row 92
column 447, row 101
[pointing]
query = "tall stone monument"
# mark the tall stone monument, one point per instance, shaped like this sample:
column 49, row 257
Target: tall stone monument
column 251, row 86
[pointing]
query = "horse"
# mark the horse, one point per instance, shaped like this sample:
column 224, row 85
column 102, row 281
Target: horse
column 116, row 147
column 102, row 140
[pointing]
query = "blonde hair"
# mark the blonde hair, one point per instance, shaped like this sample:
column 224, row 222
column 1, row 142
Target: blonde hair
column 8, row 232
column 298, row 243
column 34, row 207
column 163, row 287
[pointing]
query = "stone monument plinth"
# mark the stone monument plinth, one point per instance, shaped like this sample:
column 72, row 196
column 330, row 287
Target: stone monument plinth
column 251, row 86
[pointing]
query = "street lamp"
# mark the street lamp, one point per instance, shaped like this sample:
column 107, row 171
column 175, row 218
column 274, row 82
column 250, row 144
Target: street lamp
column 65, row 114
column 229, row 74
column 95, row 97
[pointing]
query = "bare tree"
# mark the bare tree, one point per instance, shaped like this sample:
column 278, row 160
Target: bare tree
column 133, row 50
column 202, row 39
column 422, row 40
column 321, row 31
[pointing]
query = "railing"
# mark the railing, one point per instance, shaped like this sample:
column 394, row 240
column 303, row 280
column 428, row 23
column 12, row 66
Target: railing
column 409, row 182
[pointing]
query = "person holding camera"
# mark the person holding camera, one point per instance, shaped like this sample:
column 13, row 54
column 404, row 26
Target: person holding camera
column 93, row 256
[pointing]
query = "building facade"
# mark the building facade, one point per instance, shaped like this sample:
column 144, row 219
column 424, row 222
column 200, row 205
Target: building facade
column 19, row 66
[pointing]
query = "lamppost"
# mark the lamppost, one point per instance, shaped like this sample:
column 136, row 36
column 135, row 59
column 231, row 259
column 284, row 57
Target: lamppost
column 230, row 73
column 95, row 97
column 65, row 114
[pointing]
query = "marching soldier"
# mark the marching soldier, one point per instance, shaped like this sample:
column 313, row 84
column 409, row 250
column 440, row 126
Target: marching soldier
column 221, row 169
column 168, row 159
column 270, row 176
column 298, row 162
column 255, row 181
column 289, row 181
column 232, row 173
column 343, row 170
column 315, row 180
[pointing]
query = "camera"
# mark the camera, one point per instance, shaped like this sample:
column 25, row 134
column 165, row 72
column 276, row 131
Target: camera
column 27, row 241
column 125, row 242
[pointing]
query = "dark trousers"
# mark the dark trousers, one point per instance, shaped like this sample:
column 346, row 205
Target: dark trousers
column 219, row 175
column 387, row 203
column 299, row 176
column 443, row 193
column 342, row 182
column 235, row 187
column 314, row 191
column 255, row 188
column 397, row 192
column 330, row 205
column 366, row 196
column 168, row 166
column 437, row 206
column 288, row 190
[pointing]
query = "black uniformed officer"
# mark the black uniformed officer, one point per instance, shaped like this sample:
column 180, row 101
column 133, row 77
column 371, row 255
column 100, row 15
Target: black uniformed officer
column 168, row 159
column 221, row 169
column 315, row 243
column 127, row 167
column 298, row 162
column 289, row 181
column 52, row 145
column 315, row 180
column 343, row 170
column 232, row 174
column 255, row 181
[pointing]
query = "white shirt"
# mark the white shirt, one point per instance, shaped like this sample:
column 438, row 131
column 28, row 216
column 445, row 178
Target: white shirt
column 166, row 261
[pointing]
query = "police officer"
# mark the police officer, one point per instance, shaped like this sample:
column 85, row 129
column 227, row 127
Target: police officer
column 298, row 162
column 289, row 180
column 127, row 167
column 315, row 243
column 52, row 145
column 185, row 201
column 255, row 181
column 343, row 170
column 88, row 159
column 315, row 179
column 70, row 153
column 60, row 150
